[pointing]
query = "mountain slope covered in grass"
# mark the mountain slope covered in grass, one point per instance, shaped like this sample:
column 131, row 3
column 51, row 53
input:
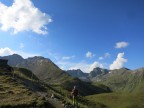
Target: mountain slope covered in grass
column 18, row 89
column 127, row 86
column 125, row 80
column 118, row 100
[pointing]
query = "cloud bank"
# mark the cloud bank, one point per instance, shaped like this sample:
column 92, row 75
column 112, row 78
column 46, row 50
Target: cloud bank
column 7, row 51
column 121, row 45
column 85, row 67
column 23, row 16
column 119, row 62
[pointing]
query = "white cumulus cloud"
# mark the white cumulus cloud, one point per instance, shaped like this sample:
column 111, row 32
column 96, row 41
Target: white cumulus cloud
column 94, row 65
column 121, row 44
column 89, row 54
column 119, row 62
column 22, row 15
column 6, row 51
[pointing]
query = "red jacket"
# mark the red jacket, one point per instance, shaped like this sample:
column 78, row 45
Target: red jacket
column 74, row 92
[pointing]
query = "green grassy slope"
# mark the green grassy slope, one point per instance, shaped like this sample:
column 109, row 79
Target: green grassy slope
column 63, row 90
column 128, row 87
column 125, row 80
column 85, row 88
column 119, row 100
column 18, row 90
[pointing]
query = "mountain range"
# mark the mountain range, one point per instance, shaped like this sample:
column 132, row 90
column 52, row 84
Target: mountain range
column 50, row 73
column 95, row 75
column 42, row 67
column 47, row 71
column 42, row 71
column 122, row 79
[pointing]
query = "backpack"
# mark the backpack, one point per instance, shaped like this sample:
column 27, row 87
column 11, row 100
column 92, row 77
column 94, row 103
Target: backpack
column 74, row 92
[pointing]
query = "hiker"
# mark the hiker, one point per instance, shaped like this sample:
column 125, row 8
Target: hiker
column 74, row 94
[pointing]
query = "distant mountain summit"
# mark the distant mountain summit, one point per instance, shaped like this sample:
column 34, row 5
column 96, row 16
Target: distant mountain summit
column 77, row 73
column 98, row 71
column 14, row 59
column 44, row 69
column 95, row 74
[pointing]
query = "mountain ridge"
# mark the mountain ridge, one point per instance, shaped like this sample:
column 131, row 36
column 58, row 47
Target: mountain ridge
column 95, row 74
column 41, row 67
column 50, row 73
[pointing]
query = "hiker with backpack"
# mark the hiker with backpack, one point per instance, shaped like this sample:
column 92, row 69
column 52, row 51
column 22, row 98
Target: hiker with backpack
column 74, row 94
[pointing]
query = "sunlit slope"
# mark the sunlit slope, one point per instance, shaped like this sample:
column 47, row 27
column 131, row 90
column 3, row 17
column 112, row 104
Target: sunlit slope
column 118, row 100
column 17, row 89
column 125, row 80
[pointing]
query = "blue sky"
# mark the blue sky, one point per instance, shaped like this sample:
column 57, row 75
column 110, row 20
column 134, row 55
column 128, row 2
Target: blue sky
column 75, row 33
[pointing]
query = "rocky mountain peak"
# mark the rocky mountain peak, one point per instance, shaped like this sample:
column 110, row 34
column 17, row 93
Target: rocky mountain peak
column 98, row 71
column 14, row 59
